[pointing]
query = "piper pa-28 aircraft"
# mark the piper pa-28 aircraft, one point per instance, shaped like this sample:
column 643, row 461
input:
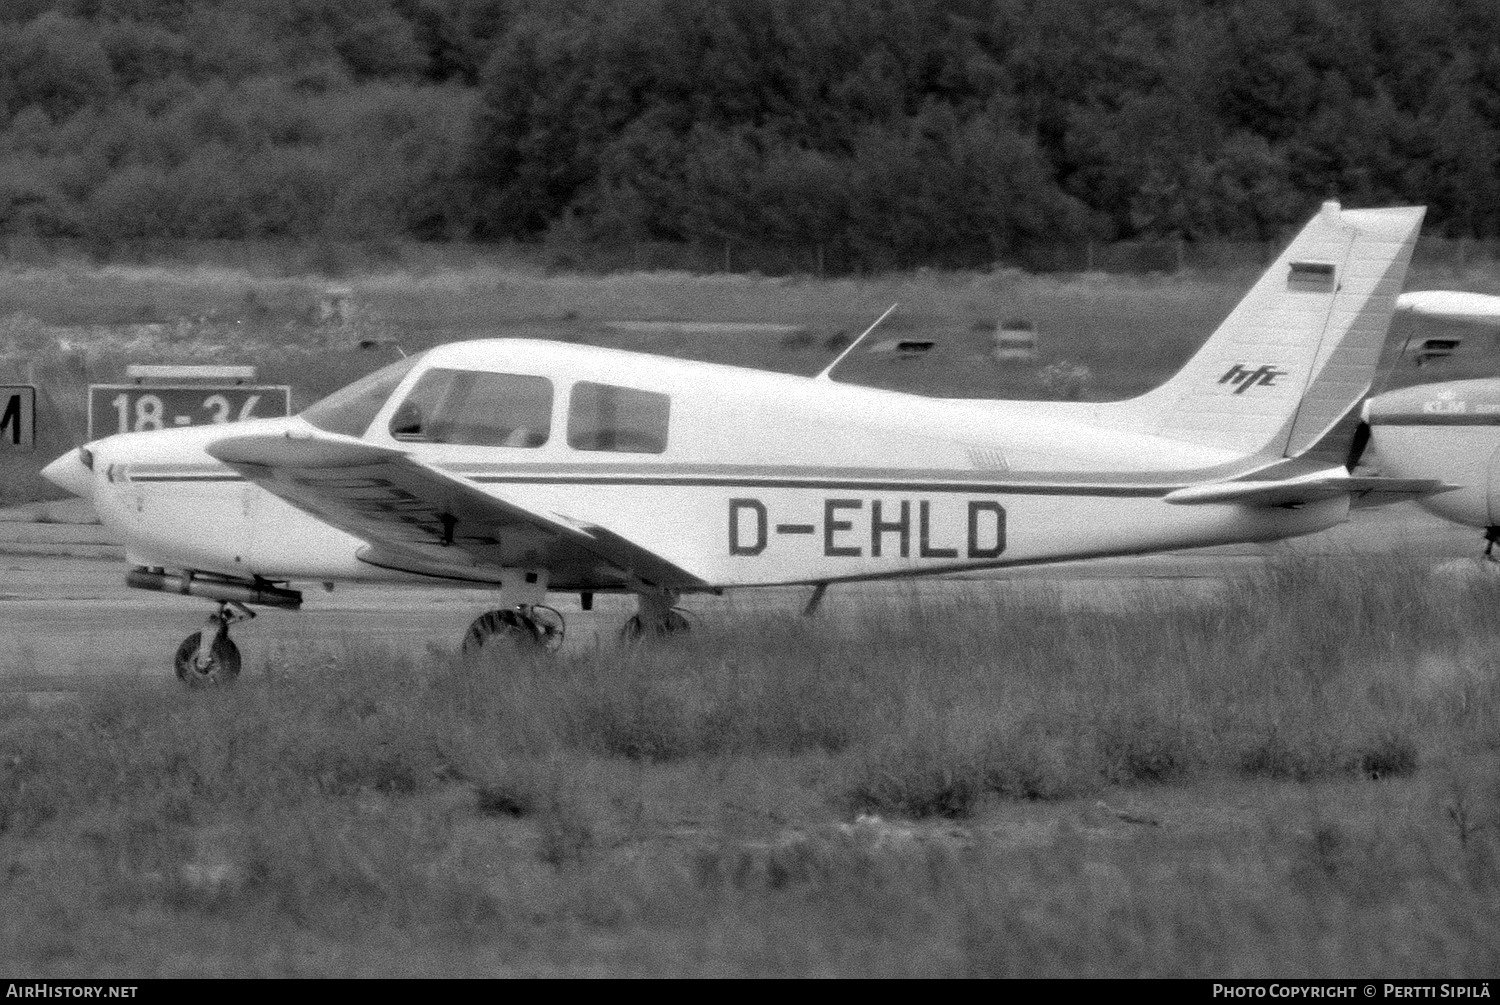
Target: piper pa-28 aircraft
column 530, row 466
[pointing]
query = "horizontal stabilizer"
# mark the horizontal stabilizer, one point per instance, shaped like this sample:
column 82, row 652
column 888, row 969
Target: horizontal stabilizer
column 1297, row 491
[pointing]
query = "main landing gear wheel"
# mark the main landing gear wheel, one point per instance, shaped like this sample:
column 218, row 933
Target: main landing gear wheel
column 217, row 662
column 637, row 626
column 527, row 624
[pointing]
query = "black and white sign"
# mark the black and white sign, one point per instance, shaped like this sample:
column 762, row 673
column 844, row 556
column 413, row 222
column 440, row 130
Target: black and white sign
column 135, row 408
column 18, row 417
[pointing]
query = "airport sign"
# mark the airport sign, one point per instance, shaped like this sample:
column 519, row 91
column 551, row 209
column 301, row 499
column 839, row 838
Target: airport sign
column 18, row 417
column 134, row 408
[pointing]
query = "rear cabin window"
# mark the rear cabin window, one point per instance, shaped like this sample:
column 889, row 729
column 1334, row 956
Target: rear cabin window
column 618, row 419
column 476, row 409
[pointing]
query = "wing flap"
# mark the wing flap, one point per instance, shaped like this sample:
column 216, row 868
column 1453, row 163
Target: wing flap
column 422, row 519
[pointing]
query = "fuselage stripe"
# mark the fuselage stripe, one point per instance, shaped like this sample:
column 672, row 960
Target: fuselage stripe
column 822, row 483
column 1011, row 488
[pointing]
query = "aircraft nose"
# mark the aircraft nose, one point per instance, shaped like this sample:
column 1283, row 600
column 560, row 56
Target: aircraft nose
column 73, row 471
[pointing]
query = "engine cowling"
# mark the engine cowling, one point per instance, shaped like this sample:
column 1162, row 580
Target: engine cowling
column 1448, row 431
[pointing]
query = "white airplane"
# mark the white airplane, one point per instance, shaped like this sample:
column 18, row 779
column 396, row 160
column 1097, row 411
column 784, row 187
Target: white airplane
column 1447, row 431
column 526, row 466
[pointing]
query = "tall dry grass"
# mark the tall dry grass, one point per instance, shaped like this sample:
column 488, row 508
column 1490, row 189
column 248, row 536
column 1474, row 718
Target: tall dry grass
column 1011, row 783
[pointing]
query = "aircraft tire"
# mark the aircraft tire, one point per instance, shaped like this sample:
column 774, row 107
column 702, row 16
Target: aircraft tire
column 548, row 627
column 223, row 662
column 635, row 627
column 540, row 626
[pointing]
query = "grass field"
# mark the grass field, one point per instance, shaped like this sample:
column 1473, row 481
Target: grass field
column 1294, row 774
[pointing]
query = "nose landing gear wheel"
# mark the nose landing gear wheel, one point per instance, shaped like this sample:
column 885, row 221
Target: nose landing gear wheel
column 531, row 625
column 220, row 665
column 217, row 662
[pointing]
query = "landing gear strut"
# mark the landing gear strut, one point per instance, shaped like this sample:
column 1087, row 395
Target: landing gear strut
column 527, row 624
column 209, row 656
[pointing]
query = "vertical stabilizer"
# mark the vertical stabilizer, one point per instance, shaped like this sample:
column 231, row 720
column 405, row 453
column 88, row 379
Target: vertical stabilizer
column 1300, row 350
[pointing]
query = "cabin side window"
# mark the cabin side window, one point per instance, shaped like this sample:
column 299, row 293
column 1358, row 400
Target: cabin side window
column 618, row 419
column 476, row 409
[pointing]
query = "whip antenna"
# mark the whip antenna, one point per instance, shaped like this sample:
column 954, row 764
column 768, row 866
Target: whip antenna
column 840, row 358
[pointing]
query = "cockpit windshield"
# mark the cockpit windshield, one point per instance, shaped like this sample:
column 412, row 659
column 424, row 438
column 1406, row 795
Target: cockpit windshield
column 352, row 409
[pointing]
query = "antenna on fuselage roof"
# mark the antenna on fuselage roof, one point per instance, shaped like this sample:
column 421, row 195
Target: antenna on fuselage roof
column 381, row 343
column 850, row 348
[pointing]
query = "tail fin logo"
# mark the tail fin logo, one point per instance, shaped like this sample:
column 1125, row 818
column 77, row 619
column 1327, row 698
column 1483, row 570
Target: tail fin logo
column 1244, row 379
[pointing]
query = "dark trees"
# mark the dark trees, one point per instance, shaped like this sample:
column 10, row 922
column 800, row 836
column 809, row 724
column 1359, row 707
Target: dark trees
column 881, row 132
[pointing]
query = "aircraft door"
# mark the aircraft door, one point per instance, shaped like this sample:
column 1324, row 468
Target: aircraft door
column 476, row 409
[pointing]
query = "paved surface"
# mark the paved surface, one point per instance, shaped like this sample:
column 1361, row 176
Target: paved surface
column 67, row 621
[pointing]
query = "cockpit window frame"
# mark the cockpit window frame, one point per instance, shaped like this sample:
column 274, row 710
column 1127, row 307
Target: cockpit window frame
column 354, row 408
column 440, row 402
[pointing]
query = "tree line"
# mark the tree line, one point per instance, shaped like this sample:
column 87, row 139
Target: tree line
column 881, row 132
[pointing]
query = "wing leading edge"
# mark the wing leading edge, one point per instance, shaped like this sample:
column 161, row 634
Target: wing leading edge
column 418, row 518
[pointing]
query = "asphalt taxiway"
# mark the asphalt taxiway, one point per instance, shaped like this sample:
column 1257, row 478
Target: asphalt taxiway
column 67, row 617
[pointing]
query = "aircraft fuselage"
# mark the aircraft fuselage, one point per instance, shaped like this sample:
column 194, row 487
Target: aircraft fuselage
column 967, row 484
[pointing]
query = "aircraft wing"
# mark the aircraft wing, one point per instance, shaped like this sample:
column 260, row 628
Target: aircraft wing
column 418, row 518
column 1367, row 490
